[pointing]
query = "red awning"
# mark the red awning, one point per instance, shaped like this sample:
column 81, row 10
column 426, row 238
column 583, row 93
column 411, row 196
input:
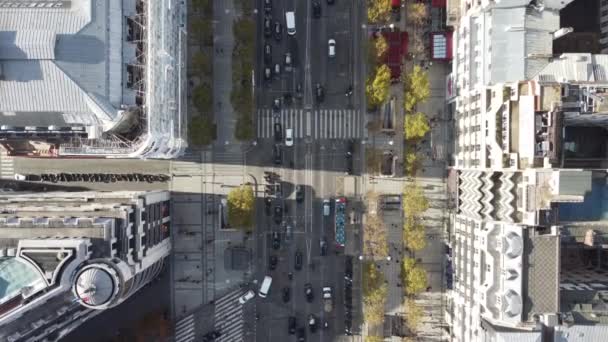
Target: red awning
column 438, row 3
column 441, row 46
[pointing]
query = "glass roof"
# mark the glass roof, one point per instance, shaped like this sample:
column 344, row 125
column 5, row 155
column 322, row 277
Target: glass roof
column 15, row 275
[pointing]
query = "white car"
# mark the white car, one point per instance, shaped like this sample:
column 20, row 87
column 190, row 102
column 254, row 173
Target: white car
column 332, row 48
column 246, row 297
column 19, row 177
column 326, row 207
column 289, row 137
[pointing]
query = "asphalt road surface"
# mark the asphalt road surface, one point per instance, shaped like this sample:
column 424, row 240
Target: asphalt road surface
column 322, row 130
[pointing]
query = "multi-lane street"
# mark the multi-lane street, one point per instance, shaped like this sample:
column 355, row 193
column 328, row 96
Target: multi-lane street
column 313, row 98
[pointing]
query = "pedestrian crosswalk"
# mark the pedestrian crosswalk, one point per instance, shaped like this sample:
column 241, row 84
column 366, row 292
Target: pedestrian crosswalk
column 229, row 317
column 316, row 124
column 7, row 169
column 185, row 329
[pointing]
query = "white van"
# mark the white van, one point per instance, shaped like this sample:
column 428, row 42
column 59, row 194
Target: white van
column 265, row 287
column 290, row 19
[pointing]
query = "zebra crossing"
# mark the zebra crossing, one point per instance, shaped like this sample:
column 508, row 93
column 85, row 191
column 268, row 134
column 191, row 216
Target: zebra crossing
column 7, row 169
column 317, row 124
column 229, row 317
column 185, row 329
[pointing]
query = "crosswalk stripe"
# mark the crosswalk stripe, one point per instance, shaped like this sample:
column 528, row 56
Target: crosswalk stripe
column 318, row 123
column 184, row 321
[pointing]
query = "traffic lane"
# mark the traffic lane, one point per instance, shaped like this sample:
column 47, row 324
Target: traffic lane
column 339, row 67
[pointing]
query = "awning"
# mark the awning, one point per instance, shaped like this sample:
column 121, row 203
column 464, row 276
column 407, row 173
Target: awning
column 438, row 3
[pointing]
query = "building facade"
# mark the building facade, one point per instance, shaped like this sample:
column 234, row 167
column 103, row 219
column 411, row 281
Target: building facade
column 65, row 257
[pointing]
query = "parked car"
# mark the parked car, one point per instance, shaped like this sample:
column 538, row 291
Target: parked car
column 298, row 261
column 308, row 292
column 246, row 296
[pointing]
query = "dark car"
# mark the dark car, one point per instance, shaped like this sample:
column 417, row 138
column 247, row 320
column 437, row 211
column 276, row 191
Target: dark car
column 267, row 27
column 298, row 260
column 268, row 205
column 272, row 262
column 267, row 54
column 286, row 294
column 278, row 132
column 276, row 155
column 348, row 268
column 349, row 157
column 301, row 335
column 278, row 31
column 276, row 105
column 278, row 214
column 312, row 323
column 330, row 2
column 316, row 9
column 323, row 245
column 310, row 296
column 299, row 193
column 319, row 93
column 276, row 240
column 291, row 326
column 267, row 6
column 278, row 190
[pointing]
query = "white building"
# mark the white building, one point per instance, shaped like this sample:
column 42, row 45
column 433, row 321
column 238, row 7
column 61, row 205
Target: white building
column 517, row 236
column 94, row 77
column 65, row 257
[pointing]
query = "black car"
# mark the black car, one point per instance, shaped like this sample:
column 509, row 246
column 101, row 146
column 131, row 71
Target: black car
column 278, row 214
column 298, row 261
column 348, row 268
column 310, row 296
column 286, row 294
column 211, row 336
column 267, row 54
column 301, row 335
column 278, row 132
column 349, row 157
column 267, row 27
column 299, row 193
column 330, row 2
column 276, row 105
column 278, row 31
column 272, row 262
column 291, row 326
column 267, row 6
column 276, row 240
column 312, row 323
column 268, row 205
column 316, row 9
column 320, row 93
column 323, row 245
column 276, row 154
